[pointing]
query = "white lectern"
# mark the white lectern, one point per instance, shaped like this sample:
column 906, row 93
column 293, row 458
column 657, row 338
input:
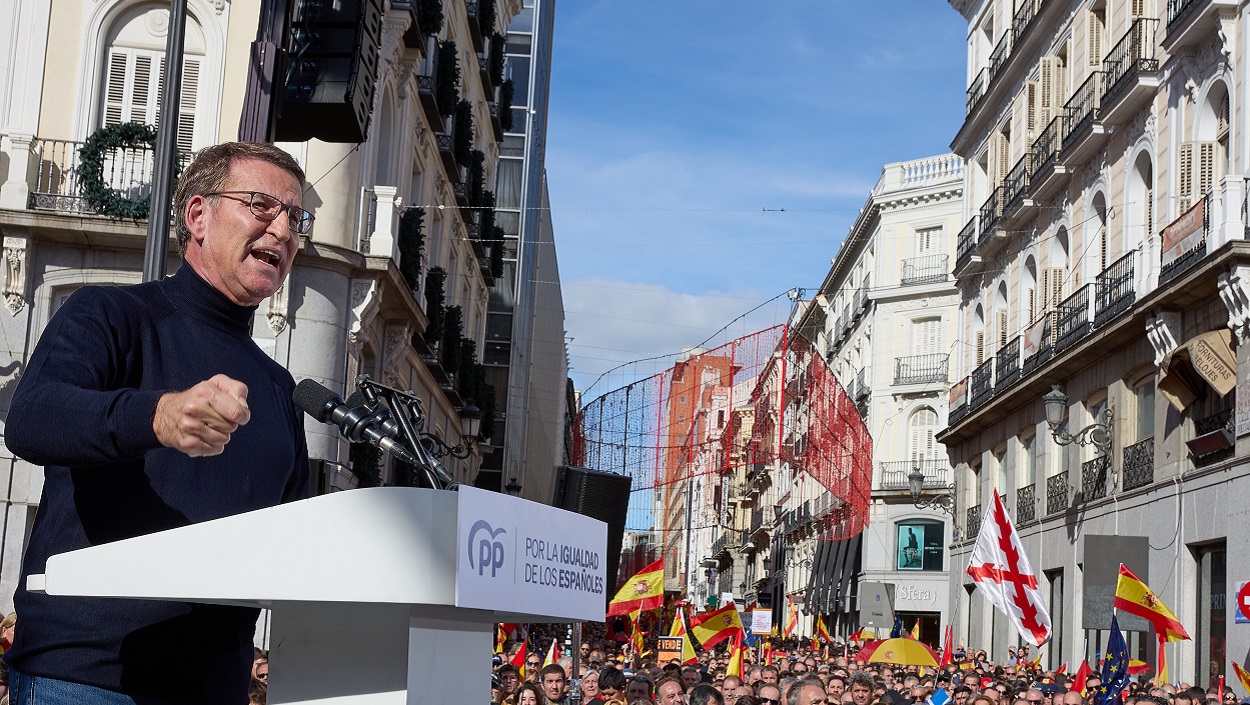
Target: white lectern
column 383, row 595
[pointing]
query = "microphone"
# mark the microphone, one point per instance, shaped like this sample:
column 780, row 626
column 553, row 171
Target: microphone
column 355, row 424
column 390, row 427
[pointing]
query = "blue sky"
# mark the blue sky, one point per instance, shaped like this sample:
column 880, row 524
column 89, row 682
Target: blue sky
column 680, row 130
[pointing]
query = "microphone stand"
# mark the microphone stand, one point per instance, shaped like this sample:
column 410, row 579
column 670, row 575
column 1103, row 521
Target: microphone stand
column 405, row 408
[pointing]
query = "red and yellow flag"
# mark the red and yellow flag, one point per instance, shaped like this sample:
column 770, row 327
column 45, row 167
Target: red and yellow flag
column 635, row 637
column 792, row 617
column 679, row 629
column 711, row 628
column 518, row 660
column 736, row 652
column 1062, row 669
column 915, row 631
column 1133, row 597
column 1079, row 678
column 822, row 631
column 553, row 654
column 644, row 591
column 948, row 649
column 768, row 653
column 500, row 638
column 1242, row 675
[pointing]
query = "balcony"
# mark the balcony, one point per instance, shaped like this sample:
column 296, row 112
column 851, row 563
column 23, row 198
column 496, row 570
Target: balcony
column 981, row 384
column 1191, row 21
column 1083, row 134
column 56, row 187
column 860, row 303
column 966, row 245
column 927, row 269
column 1057, row 493
column 894, row 474
column 427, row 85
column 757, row 520
column 1007, row 362
column 956, row 414
column 976, row 90
column 990, row 213
column 862, row 389
column 718, row 546
column 1185, row 241
column 921, row 369
column 1094, row 478
column 1219, row 425
column 1139, row 464
column 1132, row 72
column 972, row 523
column 1039, row 343
column 1017, row 206
column 1026, row 504
column 475, row 27
column 1049, row 172
column 1114, row 290
column 1072, row 319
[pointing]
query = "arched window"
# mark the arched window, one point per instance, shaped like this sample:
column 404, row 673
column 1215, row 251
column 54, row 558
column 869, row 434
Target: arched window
column 922, row 431
column 134, row 71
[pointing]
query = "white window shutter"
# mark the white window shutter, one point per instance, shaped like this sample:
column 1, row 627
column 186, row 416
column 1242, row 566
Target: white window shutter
column 1095, row 30
column 1002, row 328
column 980, row 347
column 1205, row 168
column 1030, row 110
column 1185, row 176
column 187, row 103
column 115, row 89
column 1032, row 304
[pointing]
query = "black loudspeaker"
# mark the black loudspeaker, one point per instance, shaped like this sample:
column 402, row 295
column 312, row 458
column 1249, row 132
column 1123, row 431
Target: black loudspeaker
column 331, row 70
column 598, row 495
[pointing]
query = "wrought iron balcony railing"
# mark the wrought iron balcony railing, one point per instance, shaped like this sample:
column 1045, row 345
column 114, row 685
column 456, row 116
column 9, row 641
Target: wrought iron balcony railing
column 1219, row 420
column 1114, row 290
column 1139, row 464
column 128, row 171
column 1017, row 182
column 1007, row 363
column 894, row 474
column 927, row 269
column 1046, row 147
column 957, row 414
column 1178, row 10
column 981, row 384
column 1082, row 107
column 1094, row 478
column 1072, row 319
column 976, row 90
column 966, row 243
column 1176, row 267
column 973, row 521
column 990, row 213
column 1026, row 504
column 1133, row 54
column 921, row 369
column 1057, row 492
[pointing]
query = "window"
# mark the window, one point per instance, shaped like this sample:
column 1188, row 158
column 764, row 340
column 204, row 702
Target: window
column 920, row 543
column 1212, row 593
column 1145, row 394
column 1028, row 461
column 926, row 336
column 1097, row 28
column 1056, row 617
column 923, row 427
column 134, row 73
column 928, row 241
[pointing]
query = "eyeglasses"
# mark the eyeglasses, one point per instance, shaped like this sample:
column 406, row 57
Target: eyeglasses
column 267, row 208
column 770, row 701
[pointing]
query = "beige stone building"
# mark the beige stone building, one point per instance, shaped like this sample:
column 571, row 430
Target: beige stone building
column 1104, row 250
column 391, row 213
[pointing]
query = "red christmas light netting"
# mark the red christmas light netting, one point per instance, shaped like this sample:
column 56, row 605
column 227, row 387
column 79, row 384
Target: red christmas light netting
column 767, row 400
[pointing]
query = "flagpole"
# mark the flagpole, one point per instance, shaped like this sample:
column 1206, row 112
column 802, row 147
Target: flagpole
column 575, row 651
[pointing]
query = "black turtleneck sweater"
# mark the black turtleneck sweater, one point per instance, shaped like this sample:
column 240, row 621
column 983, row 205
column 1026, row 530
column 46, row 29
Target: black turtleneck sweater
column 83, row 409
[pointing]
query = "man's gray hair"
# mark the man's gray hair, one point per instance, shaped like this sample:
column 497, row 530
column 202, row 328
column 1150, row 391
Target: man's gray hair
column 862, row 678
column 796, row 689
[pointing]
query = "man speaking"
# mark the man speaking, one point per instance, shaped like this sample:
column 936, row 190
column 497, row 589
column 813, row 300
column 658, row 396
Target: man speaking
column 151, row 408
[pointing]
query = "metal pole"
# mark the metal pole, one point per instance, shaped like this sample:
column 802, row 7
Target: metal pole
column 575, row 675
column 166, row 156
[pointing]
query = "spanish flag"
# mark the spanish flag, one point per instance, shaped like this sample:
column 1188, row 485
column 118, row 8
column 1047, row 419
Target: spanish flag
column 792, row 617
column 500, row 638
column 1079, row 678
column 637, row 634
column 553, row 654
column 518, row 660
column 736, row 652
column 1242, row 676
column 915, row 631
column 768, row 653
column 822, row 631
column 1062, row 669
column 679, row 629
column 711, row 628
column 1132, row 596
column 644, row 591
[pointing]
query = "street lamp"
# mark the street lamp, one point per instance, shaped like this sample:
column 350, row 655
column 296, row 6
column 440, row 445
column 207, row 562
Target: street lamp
column 943, row 502
column 1097, row 434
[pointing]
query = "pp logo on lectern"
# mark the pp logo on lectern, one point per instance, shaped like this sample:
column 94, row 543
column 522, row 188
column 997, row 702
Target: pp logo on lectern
column 489, row 550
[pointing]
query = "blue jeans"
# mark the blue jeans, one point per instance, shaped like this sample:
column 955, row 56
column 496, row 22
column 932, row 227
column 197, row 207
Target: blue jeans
column 36, row 690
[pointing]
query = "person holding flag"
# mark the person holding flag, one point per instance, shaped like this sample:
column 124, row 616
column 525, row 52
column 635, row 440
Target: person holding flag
column 711, row 628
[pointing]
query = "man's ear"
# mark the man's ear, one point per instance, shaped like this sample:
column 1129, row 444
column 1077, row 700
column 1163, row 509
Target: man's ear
column 196, row 217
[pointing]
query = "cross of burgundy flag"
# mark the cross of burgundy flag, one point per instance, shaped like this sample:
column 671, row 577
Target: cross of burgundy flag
column 1003, row 575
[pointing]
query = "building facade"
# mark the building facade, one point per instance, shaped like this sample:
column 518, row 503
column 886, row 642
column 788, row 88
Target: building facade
column 393, row 281
column 885, row 319
column 1103, row 256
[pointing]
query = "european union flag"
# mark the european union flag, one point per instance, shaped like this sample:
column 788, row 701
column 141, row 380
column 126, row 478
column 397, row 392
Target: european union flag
column 1114, row 667
column 897, row 631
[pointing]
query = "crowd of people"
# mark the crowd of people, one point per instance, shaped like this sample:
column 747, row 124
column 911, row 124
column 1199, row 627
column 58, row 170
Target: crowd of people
column 609, row 676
